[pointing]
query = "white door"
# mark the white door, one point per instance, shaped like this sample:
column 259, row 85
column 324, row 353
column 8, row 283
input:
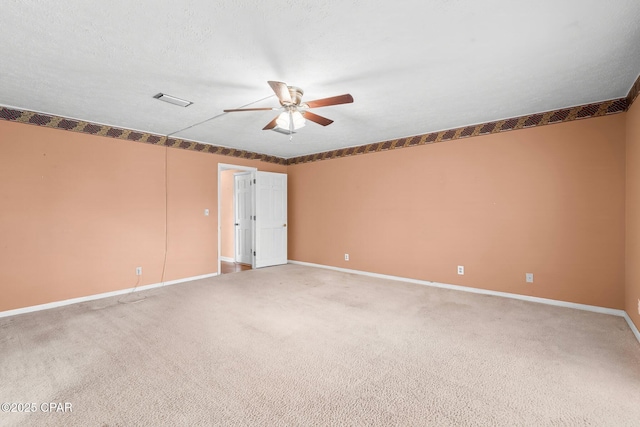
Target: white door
column 242, row 212
column 270, row 219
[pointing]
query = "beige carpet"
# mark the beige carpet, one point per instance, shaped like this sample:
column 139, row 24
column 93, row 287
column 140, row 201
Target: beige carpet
column 294, row 345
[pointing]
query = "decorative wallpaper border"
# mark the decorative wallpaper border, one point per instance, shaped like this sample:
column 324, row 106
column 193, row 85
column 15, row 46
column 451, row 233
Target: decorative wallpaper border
column 633, row 92
column 597, row 109
column 55, row 122
column 540, row 119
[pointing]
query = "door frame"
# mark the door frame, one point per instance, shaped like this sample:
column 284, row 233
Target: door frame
column 224, row 167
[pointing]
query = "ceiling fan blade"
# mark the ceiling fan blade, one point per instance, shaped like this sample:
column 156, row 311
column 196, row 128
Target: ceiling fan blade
column 271, row 124
column 248, row 109
column 334, row 100
column 281, row 90
column 316, row 118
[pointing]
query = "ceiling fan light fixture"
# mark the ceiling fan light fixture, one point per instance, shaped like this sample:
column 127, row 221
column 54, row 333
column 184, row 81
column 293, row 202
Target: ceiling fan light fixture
column 298, row 120
column 284, row 120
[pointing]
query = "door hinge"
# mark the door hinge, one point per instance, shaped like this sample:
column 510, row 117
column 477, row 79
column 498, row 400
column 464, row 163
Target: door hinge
column 254, row 253
column 254, row 180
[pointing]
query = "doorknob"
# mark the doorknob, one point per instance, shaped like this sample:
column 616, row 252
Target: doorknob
column 237, row 224
column 284, row 225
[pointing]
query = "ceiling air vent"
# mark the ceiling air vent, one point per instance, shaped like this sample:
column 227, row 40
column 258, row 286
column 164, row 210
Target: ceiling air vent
column 172, row 100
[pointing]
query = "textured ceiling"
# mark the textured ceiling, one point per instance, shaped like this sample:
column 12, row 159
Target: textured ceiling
column 413, row 67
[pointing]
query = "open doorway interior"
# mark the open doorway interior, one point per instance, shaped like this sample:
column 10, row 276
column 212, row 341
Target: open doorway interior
column 252, row 218
column 234, row 210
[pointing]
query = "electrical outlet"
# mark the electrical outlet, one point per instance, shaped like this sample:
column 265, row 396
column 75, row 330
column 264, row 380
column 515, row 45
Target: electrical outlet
column 529, row 277
column 346, row 257
column 138, row 271
column 461, row 270
column 206, row 212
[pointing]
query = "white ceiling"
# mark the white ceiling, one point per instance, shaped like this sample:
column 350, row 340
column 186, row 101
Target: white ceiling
column 413, row 67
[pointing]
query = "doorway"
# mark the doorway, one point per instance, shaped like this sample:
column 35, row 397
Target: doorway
column 252, row 218
column 227, row 230
column 242, row 217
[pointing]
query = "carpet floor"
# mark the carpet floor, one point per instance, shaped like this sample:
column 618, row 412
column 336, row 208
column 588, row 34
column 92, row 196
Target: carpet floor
column 295, row 345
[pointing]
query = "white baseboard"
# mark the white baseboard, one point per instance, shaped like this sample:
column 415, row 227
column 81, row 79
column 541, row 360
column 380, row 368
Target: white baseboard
column 227, row 259
column 593, row 308
column 585, row 307
column 99, row 296
column 632, row 326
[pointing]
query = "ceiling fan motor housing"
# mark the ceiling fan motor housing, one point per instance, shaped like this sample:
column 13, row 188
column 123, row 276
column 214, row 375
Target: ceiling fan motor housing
column 296, row 94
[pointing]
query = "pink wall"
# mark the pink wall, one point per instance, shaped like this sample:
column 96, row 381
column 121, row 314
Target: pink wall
column 633, row 214
column 81, row 212
column 547, row 200
column 192, row 237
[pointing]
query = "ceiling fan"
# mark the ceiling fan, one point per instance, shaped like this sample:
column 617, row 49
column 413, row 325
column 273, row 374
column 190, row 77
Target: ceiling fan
column 294, row 111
